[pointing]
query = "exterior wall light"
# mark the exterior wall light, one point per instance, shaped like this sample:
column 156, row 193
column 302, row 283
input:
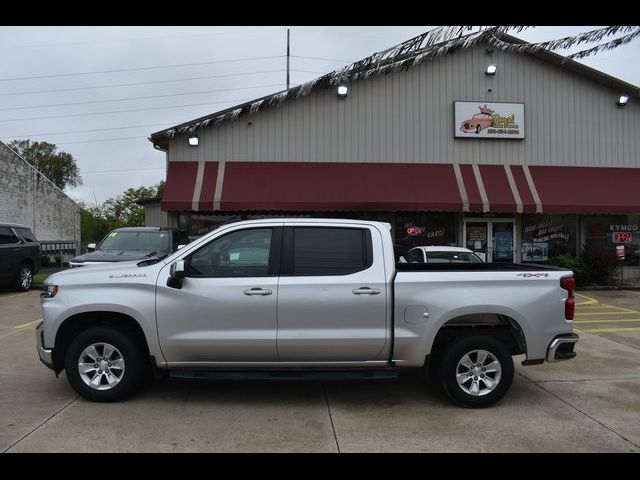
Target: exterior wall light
column 342, row 91
column 622, row 101
column 491, row 70
column 193, row 140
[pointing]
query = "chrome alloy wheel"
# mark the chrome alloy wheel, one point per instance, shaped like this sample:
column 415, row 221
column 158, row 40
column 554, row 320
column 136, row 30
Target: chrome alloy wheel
column 26, row 277
column 101, row 366
column 478, row 372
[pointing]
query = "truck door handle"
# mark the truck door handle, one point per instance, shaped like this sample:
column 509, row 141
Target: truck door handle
column 258, row 291
column 366, row 291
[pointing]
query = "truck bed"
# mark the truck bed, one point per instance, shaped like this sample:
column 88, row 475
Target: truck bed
column 474, row 267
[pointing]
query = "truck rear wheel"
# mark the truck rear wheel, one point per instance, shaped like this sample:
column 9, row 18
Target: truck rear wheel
column 476, row 371
column 103, row 364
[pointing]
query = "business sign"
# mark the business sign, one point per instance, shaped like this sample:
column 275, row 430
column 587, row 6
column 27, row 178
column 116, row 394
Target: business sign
column 622, row 237
column 488, row 120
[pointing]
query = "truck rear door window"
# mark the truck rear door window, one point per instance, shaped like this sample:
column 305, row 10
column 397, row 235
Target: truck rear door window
column 330, row 251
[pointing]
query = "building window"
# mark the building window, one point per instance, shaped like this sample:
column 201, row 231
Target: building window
column 614, row 233
column 424, row 229
column 547, row 236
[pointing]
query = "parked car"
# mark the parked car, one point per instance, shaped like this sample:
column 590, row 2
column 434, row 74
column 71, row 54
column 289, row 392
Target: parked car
column 303, row 299
column 19, row 256
column 441, row 254
column 132, row 243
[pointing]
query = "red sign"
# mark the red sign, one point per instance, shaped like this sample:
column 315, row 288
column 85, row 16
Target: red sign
column 622, row 237
column 415, row 230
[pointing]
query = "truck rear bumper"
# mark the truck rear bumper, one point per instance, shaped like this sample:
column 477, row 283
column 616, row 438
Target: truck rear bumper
column 561, row 348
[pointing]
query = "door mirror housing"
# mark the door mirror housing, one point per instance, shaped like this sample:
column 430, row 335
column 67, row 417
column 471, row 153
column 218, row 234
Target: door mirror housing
column 177, row 272
column 91, row 247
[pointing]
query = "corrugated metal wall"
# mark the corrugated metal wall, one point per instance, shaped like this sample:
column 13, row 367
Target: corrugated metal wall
column 154, row 217
column 407, row 117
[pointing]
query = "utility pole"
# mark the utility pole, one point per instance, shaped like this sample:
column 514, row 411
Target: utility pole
column 288, row 55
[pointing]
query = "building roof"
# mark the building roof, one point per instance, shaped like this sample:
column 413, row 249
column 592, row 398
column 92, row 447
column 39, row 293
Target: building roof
column 414, row 51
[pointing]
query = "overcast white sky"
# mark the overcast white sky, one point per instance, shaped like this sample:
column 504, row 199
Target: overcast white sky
column 115, row 154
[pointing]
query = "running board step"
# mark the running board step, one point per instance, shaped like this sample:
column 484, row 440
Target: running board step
column 285, row 375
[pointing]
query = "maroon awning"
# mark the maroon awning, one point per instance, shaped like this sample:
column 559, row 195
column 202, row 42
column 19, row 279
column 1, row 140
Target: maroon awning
column 326, row 186
column 178, row 190
column 587, row 189
column 187, row 188
column 339, row 186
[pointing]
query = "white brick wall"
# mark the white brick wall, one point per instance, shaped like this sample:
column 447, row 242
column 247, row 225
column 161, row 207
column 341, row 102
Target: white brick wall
column 57, row 217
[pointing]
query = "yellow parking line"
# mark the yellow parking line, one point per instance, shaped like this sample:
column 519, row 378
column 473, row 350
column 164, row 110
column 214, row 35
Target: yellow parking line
column 609, row 313
column 608, row 321
column 624, row 309
column 590, row 301
column 589, row 307
column 14, row 295
column 25, row 325
column 612, row 330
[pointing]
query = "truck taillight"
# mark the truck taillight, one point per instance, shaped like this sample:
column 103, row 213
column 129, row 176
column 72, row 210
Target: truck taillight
column 569, row 284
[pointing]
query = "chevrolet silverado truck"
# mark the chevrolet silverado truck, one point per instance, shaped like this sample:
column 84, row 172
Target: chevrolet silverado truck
column 295, row 299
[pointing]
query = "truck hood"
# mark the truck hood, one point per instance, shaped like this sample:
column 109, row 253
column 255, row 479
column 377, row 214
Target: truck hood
column 115, row 256
column 107, row 273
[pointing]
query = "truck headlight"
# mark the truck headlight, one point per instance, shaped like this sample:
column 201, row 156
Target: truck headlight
column 49, row 291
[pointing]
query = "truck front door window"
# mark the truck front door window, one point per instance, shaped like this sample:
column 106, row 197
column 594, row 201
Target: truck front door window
column 243, row 253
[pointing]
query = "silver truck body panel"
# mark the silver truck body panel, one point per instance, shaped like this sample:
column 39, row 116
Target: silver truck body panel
column 307, row 321
column 535, row 304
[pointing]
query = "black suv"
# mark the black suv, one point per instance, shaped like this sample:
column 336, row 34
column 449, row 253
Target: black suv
column 19, row 256
column 132, row 243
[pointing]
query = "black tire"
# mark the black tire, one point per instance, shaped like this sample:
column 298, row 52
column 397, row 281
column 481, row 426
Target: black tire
column 449, row 366
column 134, row 365
column 24, row 278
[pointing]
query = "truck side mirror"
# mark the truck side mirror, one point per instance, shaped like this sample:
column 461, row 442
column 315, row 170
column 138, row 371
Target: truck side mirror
column 91, row 247
column 177, row 272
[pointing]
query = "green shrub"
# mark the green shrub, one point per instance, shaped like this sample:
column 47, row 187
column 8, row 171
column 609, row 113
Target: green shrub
column 602, row 262
column 581, row 271
column 45, row 260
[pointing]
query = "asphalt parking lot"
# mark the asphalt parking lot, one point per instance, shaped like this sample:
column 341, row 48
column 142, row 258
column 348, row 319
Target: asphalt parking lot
column 589, row 404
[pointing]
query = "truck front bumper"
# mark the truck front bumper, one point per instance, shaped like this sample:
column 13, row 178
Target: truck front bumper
column 45, row 354
column 561, row 348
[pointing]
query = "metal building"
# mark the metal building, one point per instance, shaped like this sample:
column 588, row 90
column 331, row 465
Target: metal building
column 534, row 159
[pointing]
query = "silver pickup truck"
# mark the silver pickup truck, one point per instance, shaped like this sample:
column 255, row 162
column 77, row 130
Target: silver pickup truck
column 303, row 298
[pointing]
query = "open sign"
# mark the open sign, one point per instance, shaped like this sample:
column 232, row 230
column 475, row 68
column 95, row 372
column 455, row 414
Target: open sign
column 415, row 230
column 622, row 237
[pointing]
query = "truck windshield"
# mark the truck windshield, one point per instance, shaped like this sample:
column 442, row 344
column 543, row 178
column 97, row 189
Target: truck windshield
column 136, row 242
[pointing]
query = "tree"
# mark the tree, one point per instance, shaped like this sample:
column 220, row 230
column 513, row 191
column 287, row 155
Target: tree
column 59, row 167
column 117, row 212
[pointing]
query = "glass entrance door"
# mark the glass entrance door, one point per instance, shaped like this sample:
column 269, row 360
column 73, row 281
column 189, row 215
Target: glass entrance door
column 502, row 242
column 476, row 236
column 492, row 240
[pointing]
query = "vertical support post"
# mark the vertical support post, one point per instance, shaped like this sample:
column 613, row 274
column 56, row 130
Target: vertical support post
column 35, row 188
column 288, row 56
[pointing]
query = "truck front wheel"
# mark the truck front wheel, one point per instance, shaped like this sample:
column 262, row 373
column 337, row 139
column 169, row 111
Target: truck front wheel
column 103, row 364
column 476, row 371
